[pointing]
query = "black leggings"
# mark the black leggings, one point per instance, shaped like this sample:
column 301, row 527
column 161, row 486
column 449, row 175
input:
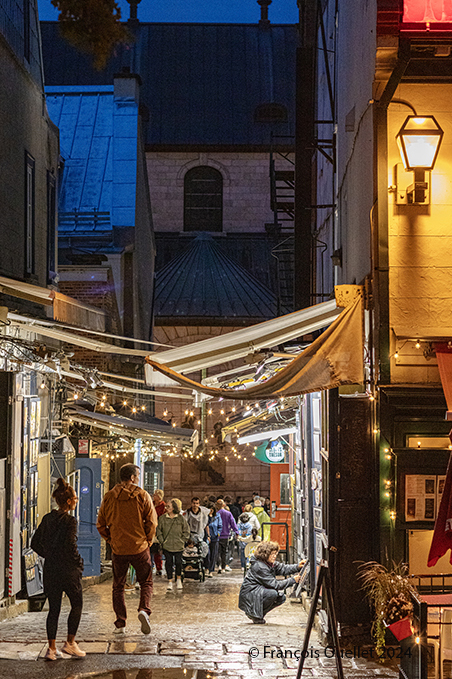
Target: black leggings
column 54, row 586
column 172, row 558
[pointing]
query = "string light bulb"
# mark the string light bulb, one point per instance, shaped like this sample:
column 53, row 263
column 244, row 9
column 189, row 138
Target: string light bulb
column 124, row 403
column 75, row 397
column 143, row 407
column 418, row 344
column 165, row 413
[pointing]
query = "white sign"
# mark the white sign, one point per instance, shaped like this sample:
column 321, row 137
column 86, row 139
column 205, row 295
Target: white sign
column 275, row 452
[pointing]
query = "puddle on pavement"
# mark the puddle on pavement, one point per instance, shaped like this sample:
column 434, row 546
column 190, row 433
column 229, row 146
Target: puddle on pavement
column 155, row 673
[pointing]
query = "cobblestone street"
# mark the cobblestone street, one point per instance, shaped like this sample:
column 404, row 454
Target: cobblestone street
column 198, row 632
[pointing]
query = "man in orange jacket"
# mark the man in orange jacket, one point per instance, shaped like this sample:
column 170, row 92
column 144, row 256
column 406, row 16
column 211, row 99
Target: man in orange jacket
column 127, row 520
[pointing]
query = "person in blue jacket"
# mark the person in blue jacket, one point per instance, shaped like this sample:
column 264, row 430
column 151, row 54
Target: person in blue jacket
column 215, row 525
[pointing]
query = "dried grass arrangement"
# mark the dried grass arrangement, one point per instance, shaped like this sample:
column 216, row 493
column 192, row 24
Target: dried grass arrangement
column 389, row 593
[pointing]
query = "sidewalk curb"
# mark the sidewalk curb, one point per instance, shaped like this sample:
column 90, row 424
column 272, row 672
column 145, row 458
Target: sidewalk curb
column 96, row 579
column 13, row 610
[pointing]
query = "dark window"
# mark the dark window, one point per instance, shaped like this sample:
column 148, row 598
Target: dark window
column 270, row 113
column 203, row 199
column 51, row 226
column 27, row 48
column 29, row 214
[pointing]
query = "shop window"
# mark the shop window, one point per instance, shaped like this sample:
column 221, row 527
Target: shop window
column 284, row 489
column 428, row 442
column 203, row 199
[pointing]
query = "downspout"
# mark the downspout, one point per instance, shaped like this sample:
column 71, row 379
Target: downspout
column 381, row 233
column 304, row 150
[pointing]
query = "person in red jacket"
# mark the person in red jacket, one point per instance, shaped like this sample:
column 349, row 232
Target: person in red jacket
column 156, row 554
column 127, row 521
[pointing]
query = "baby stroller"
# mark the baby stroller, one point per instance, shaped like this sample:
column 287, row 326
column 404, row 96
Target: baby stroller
column 193, row 566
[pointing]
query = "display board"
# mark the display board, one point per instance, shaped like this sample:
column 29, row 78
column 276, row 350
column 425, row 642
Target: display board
column 423, row 494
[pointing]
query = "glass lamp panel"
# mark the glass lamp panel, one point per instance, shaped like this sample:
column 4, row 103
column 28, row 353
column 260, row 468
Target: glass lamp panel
column 421, row 150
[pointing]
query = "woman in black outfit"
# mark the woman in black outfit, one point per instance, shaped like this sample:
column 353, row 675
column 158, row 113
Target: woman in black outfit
column 261, row 592
column 56, row 540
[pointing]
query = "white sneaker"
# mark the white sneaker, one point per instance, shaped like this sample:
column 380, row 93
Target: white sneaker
column 169, row 586
column 179, row 584
column 143, row 617
column 210, row 575
column 119, row 630
column 227, row 568
column 73, row 649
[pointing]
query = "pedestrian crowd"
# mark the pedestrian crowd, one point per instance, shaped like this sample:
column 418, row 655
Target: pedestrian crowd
column 144, row 534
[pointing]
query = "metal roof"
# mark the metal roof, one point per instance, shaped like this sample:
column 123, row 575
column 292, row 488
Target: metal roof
column 202, row 283
column 95, row 128
column 201, row 83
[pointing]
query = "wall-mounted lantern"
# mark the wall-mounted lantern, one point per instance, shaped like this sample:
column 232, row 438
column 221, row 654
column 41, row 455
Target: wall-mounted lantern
column 419, row 140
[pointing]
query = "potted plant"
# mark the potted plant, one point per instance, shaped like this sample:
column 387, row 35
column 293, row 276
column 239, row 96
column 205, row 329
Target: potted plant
column 389, row 592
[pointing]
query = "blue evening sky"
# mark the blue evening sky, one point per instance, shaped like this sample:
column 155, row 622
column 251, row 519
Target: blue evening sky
column 203, row 11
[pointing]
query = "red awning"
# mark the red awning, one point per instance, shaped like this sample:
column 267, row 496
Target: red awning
column 444, row 357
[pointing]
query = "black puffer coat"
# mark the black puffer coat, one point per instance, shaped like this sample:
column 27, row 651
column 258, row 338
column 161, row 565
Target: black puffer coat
column 260, row 577
column 56, row 540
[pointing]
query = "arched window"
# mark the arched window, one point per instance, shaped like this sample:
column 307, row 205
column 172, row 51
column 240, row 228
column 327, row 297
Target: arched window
column 203, row 199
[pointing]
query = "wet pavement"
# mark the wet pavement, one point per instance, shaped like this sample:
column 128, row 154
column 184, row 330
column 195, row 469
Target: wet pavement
column 198, row 633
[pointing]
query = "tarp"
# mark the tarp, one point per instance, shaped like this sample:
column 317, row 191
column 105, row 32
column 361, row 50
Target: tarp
column 333, row 359
column 444, row 358
column 442, row 535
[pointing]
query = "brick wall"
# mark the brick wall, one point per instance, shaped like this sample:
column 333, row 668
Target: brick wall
column 242, row 478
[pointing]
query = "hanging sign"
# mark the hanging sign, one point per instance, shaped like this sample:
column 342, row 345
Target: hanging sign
column 271, row 451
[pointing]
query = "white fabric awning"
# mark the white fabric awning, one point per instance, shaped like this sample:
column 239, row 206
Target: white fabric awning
column 240, row 343
column 162, row 434
column 78, row 340
column 66, row 309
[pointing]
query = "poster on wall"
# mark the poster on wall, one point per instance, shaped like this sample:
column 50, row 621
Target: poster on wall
column 421, row 494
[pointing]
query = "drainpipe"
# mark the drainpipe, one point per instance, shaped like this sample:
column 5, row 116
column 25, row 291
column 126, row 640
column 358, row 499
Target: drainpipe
column 381, row 243
column 304, row 150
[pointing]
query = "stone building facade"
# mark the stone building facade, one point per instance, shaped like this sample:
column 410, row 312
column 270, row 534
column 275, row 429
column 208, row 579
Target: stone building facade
column 246, row 201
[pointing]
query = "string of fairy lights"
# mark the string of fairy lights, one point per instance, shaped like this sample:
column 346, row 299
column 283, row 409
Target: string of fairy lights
column 210, row 417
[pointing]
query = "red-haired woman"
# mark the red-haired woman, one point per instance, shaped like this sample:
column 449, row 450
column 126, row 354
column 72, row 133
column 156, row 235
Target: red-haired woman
column 56, row 540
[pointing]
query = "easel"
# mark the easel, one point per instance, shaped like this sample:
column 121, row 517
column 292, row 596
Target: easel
column 325, row 581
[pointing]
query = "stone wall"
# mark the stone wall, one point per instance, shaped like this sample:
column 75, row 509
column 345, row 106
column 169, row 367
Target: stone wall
column 246, row 188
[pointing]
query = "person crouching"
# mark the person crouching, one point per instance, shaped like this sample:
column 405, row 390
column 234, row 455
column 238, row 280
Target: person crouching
column 261, row 592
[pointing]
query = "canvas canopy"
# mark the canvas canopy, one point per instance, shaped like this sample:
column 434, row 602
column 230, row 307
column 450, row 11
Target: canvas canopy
column 335, row 358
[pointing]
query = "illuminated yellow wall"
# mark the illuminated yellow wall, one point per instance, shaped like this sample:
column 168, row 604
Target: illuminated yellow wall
column 420, row 244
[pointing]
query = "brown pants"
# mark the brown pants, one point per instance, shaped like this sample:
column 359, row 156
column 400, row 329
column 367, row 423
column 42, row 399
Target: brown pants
column 143, row 567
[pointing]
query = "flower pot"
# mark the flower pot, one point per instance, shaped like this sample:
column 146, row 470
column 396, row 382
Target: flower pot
column 401, row 629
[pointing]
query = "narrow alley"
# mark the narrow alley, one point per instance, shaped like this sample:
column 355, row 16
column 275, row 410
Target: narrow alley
column 199, row 632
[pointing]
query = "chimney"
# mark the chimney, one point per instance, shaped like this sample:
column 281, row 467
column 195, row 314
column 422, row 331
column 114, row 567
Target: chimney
column 133, row 19
column 264, row 21
column 127, row 85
